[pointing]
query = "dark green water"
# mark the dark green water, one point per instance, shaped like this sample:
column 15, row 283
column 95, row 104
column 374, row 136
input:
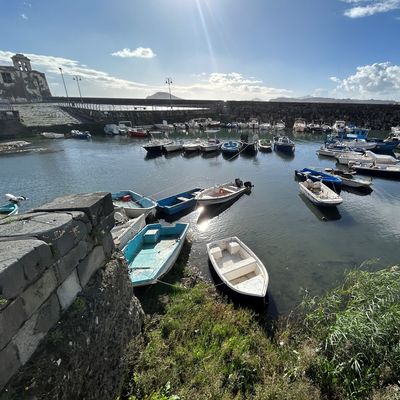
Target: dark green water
column 299, row 248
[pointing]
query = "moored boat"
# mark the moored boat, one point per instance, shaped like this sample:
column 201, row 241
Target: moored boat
column 232, row 147
column 222, row 193
column 174, row 146
column 179, row 202
column 349, row 179
column 347, row 158
column 75, row 134
column 52, row 135
column 249, row 143
column 134, row 204
column 284, row 144
column 319, row 194
column 314, row 175
column 137, row 132
column 265, row 145
column 111, row 129
column 210, row 145
column 8, row 209
column 156, row 146
column 300, row 125
column 192, row 146
column 381, row 170
column 238, row 267
column 153, row 252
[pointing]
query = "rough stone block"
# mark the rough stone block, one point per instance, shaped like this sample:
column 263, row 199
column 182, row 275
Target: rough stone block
column 21, row 262
column 94, row 205
column 11, row 319
column 68, row 290
column 9, row 364
column 34, row 330
column 70, row 261
column 108, row 245
column 36, row 294
column 95, row 260
column 59, row 230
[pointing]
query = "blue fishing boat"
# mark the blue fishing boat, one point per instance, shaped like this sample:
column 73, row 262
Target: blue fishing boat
column 8, row 209
column 75, row 134
column 327, row 179
column 383, row 147
column 153, row 252
column 178, row 202
column 231, row 147
column 134, row 204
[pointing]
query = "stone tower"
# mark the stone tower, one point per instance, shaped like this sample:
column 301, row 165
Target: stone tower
column 21, row 62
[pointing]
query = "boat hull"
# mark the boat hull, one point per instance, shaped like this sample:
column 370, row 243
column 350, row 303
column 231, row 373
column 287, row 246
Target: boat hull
column 8, row 209
column 147, row 205
column 319, row 202
column 388, row 174
column 206, row 198
column 284, row 148
column 156, row 267
column 178, row 203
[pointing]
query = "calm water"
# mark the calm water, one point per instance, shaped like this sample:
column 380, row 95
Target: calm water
column 300, row 249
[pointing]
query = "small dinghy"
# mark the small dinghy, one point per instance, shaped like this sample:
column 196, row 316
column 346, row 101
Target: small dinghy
column 126, row 229
column 348, row 179
column 52, row 135
column 238, row 267
column 134, row 204
column 192, row 146
column 265, row 145
column 179, row 202
column 222, row 193
column 12, row 207
column 284, row 144
column 174, row 146
column 210, row 146
column 327, row 179
column 319, row 194
column 153, row 252
column 231, row 147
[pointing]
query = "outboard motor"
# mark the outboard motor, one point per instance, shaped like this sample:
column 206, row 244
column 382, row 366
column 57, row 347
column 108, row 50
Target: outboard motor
column 15, row 199
column 248, row 185
column 238, row 183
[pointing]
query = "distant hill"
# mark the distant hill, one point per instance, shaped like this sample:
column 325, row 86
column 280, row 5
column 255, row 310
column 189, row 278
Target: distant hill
column 311, row 99
column 162, row 96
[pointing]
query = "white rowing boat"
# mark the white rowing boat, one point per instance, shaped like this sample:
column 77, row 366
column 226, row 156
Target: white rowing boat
column 319, row 194
column 238, row 267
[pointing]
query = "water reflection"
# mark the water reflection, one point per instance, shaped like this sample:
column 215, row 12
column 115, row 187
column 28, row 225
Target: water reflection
column 322, row 213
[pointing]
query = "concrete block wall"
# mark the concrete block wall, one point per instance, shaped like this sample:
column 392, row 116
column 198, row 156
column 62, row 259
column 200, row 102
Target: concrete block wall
column 47, row 257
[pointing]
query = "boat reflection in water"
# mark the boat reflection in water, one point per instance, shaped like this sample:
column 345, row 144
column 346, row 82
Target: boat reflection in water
column 322, row 213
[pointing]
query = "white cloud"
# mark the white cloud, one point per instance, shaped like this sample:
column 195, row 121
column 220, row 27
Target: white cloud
column 225, row 86
column 334, row 79
column 366, row 8
column 379, row 81
column 140, row 52
column 23, row 16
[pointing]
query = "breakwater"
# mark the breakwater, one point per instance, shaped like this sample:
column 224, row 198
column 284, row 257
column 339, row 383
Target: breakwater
column 48, row 282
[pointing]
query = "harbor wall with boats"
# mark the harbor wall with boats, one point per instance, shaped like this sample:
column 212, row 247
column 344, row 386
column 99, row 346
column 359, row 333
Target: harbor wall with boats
column 60, row 115
column 48, row 281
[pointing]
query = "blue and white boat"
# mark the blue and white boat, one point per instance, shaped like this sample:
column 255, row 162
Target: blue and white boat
column 134, row 204
column 231, row 147
column 153, row 252
column 178, row 202
column 8, row 209
column 327, row 179
column 75, row 134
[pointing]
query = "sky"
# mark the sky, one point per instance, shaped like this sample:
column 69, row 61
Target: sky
column 211, row 49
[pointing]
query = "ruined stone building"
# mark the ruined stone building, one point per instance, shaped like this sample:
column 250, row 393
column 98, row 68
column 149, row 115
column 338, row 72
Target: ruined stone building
column 19, row 83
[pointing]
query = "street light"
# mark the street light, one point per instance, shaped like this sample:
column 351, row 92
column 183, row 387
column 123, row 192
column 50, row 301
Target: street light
column 168, row 81
column 65, row 86
column 77, row 78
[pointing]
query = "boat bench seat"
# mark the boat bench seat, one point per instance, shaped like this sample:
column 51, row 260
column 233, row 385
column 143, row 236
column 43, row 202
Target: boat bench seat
column 151, row 236
column 181, row 198
column 233, row 248
column 216, row 252
column 229, row 190
column 239, row 268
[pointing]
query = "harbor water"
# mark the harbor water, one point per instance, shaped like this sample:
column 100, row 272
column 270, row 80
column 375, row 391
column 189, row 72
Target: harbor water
column 302, row 247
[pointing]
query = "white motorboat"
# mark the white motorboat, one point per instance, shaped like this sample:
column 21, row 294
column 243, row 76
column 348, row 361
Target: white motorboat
column 347, row 158
column 328, row 152
column 395, row 130
column 299, row 125
column 284, row 144
column 174, row 146
column 280, row 126
column 339, row 127
column 381, row 170
column 210, row 145
column 349, row 179
column 242, row 125
column 253, row 124
column 266, row 126
column 192, row 146
column 319, row 194
column 238, row 267
column 222, row 193
column 52, row 135
column 394, row 135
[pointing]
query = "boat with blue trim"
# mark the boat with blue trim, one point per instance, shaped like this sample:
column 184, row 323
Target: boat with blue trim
column 134, row 204
column 153, row 252
column 178, row 202
column 315, row 176
column 231, row 147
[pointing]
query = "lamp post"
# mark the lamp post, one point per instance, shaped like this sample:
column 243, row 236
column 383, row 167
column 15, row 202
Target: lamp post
column 77, row 78
column 65, row 86
column 168, row 81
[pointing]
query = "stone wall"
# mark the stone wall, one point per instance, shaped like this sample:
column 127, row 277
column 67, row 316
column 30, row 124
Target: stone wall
column 47, row 257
